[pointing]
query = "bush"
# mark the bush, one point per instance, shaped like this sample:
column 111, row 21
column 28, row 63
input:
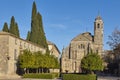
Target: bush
column 41, row 75
column 78, row 77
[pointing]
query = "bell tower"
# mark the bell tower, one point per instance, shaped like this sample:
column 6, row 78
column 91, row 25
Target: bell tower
column 98, row 34
column 98, row 30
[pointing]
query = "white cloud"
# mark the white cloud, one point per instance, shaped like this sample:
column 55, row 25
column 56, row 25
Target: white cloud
column 60, row 26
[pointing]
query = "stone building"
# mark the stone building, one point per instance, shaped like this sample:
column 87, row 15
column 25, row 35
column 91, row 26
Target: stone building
column 10, row 48
column 53, row 49
column 80, row 46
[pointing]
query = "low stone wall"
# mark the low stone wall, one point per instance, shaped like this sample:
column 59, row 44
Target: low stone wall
column 54, row 70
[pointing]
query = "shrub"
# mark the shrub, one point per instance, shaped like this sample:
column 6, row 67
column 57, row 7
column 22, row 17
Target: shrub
column 78, row 77
column 41, row 75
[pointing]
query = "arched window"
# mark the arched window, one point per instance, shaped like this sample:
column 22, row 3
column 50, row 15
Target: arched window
column 98, row 26
column 81, row 46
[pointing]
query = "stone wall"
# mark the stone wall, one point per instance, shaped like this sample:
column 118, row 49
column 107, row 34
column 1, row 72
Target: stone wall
column 3, row 54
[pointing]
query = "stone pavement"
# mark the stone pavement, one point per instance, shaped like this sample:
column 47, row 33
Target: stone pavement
column 99, row 78
column 108, row 78
column 30, row 79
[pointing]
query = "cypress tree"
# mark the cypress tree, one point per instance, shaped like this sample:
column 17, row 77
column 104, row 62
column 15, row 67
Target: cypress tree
column 42, row 39
column 28, row 36
column 33, row 35
column 5, row 27
column 17, row 30
column 37, row 32
column 34, row 10
column 14, row 27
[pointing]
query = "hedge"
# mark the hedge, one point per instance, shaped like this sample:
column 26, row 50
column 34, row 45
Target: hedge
column 78, row 77
column 41, row 75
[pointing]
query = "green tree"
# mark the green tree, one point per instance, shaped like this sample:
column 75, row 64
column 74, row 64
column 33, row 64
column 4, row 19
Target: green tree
column 34, row 26
column 14, row 27
column 34, row 10
column 28, row 36
column 37, row 34
column 42, row 37
column 17, row 30
column 5, row 27
column 37, row 61
column 27, row 60
column 92, row 62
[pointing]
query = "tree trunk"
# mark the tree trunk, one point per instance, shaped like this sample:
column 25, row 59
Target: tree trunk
column 39, row 70
column 42, row 70
column 36, row 70
column 27, row 71
column 91, row 72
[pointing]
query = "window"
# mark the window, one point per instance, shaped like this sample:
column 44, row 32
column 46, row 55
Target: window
column 20, row 45
column 82, row 46
column 98, row 26
column 15, row 54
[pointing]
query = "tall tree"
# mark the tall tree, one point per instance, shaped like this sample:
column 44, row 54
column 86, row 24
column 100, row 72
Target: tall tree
column 14, row 27
column 34, row 26
column 114, row 41
column 17, row 30
column 37, row 34
column 5, row 27
column 34, row 10
column 42, row 39
column 28, row 36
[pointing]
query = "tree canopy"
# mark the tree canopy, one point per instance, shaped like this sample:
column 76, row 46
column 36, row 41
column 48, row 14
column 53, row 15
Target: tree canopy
column 114, row 41
column 37, row 34
column 14, row 27
column 5, row 27
column 28, row 36
column 92, row 62
column 37, row 60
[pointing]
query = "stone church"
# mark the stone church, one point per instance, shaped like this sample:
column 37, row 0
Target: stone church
column 80, row 46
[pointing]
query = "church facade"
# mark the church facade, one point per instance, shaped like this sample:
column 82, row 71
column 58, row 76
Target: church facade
column 80, row 46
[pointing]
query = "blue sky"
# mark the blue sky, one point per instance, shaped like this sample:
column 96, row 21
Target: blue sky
column 63, row 19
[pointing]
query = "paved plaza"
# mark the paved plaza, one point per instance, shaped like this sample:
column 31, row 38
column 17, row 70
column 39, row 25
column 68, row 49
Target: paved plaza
column 30, row 79
column 99, row 78
column 108, row 78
